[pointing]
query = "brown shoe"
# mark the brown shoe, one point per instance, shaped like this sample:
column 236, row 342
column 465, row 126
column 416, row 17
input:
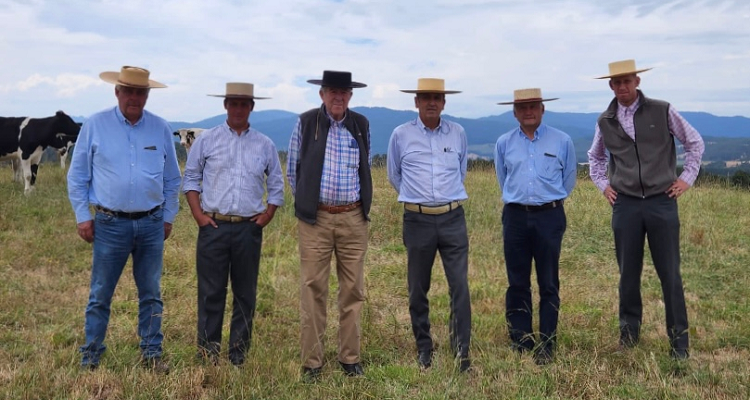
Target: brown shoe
column 155, row 364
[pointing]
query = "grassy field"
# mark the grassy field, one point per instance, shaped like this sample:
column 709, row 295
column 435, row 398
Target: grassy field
column 44, row 280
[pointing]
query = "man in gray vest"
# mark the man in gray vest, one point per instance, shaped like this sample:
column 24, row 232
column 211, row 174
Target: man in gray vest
column 328, row 169
column 643, row 188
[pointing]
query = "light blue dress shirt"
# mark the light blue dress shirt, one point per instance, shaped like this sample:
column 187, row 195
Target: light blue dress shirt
column 232, row 172
column 427, row 166
column 535, row 172
column 124, row 167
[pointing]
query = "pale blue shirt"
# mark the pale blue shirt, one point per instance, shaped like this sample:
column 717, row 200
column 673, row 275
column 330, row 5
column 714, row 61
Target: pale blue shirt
column 427, row 166
column 232, row 172
column 538, row 171
column 124, row 167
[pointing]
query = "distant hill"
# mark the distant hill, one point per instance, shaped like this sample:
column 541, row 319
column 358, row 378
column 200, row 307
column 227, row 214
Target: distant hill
column 727, row 138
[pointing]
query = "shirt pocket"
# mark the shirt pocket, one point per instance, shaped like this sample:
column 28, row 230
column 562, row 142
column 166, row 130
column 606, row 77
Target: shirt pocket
column 152, row 161
column 451, row 159
column 549, row 167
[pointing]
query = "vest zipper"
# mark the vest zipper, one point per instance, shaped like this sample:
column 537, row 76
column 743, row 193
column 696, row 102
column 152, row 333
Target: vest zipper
column 640, row 178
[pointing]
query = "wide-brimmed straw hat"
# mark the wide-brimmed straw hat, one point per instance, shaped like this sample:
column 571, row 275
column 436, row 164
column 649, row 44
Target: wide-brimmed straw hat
column 239, row 90
column 527, row 96
column 622, row 68
column 337, row 79
column 430, row 85
column 132, row 77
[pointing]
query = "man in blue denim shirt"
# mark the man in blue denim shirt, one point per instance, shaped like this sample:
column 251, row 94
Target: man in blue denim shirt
column 536, row 170
column 125, row 166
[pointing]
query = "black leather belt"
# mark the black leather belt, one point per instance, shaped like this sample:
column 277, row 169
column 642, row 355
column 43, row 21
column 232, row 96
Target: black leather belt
column 545, row 206
column 127, row 215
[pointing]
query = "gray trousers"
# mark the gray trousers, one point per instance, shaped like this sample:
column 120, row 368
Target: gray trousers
column 656, row 217
column 425, row 235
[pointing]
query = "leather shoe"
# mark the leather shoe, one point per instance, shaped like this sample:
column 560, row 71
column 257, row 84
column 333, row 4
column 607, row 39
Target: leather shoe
column 543, row 356
column 156, row 364
column 424, row 357
column 679, row 354
column 352, row 369
column 464, row 365
column 310, row 375
column 628, row 337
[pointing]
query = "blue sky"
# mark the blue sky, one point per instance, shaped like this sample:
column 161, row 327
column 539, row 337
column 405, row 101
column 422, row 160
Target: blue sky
column 53, row 51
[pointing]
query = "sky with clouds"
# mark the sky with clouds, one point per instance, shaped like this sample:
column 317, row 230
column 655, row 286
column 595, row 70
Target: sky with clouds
column 52, row 52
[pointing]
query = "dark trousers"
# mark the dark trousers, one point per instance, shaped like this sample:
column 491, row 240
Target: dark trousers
column 230, row 251
column 533, row 235
column 633, row 219
column 424, row 235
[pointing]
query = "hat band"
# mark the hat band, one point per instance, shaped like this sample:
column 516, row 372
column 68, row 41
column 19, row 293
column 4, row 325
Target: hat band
column 121, row 82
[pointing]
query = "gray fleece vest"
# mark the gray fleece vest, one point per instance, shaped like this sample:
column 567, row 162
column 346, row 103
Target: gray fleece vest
column 644, row 167
column 314, row 128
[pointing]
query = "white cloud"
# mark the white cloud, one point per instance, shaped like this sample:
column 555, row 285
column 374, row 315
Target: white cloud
column 484, row 48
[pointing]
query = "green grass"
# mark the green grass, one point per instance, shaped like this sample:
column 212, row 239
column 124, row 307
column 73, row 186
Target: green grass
column 44, row 280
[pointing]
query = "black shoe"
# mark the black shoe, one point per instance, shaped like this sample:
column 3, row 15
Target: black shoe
column 544, row 356
column 424, row 357
column 155, row 364
column 203, row 357
column 522, row 347
column 679, row 354
column 464, row 365
column 628, row 337
column 89, row 366
column 237, row 359
column 310, row 375
column 352, row 369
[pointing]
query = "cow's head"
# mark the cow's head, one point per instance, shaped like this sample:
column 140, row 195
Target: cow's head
column 65, row 125
column 187, row 137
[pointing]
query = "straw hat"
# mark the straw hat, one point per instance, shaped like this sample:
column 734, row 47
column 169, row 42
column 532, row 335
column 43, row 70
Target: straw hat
column 337, row 79
column 239, row 90
column 621, row 68
column 132, row 77
column 431, row 85
column 527, row 96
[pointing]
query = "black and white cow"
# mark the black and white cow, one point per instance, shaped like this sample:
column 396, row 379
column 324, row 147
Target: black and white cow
column 65, row 150
column 23, row 140
column 187, row 136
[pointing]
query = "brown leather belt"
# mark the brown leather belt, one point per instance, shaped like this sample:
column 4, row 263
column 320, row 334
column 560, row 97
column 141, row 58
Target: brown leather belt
column 226, row 218
column 434, row 210
column 127, row 215
column 545, row 206
column 339, row 209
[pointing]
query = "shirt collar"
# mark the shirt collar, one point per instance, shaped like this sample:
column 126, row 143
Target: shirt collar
column 423, row 127
column 631, row 108
column 246, row 131
column 540, row 130
column 122, row 118
column 333, row 121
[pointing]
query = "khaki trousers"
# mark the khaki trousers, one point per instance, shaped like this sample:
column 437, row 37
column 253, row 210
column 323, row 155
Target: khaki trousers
column 346, row 235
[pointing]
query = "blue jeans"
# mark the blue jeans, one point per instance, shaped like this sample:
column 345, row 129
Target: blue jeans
column 114, row 240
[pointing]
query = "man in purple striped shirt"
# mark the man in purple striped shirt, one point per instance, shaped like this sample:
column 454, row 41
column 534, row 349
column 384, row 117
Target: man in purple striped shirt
column 638, row 132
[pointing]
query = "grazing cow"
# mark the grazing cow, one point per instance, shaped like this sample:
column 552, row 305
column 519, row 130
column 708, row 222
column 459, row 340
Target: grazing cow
column 65, row 150
column 23, row 140
column 187, row 136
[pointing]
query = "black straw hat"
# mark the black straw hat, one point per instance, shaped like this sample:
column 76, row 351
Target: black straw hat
column 337, row 79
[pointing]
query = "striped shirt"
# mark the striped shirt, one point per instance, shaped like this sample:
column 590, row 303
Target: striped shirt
column 339, row 183
column 232, row 172
column 428, row 166
column 678, row 126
